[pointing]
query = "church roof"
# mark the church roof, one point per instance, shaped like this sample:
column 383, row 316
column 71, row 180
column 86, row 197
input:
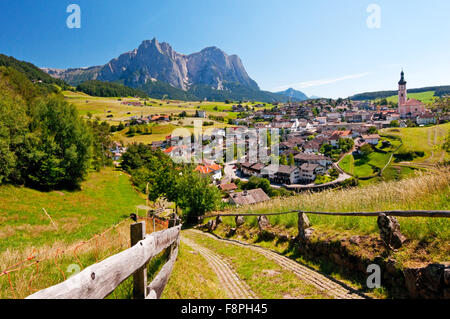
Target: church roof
column 413, row 102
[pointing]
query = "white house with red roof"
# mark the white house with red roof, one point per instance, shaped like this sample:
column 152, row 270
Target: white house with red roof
column 214, row 170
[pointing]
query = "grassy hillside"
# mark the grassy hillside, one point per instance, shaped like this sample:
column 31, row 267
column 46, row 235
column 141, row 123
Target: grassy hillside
column 32, row 72
column 437, row 91
column 368, row 166
column 418, row 140
column 425, row 97
column 423, row 139
column 104, row 199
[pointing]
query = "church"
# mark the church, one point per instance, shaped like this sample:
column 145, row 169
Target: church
column 408, row 108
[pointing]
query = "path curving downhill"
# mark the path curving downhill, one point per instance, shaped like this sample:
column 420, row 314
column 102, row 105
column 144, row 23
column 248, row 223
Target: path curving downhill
column 230, row 281
column 329, row 285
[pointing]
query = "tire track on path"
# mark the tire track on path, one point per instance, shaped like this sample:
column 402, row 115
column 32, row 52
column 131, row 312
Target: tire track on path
column 330, row 285
column 230, row 281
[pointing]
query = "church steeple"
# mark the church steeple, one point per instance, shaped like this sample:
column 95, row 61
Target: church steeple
column 402, row 92
column 402, row 80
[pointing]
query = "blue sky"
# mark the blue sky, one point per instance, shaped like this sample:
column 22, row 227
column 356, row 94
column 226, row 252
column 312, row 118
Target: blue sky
column 321, row 47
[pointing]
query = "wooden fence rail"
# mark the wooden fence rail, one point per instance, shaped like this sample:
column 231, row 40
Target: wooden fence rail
column 394, row 213
column 101, row 279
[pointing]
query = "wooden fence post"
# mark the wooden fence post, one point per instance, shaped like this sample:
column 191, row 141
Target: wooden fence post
column 172, row 220
column 137, row 232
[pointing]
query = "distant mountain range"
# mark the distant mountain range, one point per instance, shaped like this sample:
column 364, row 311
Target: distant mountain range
column 161, row 72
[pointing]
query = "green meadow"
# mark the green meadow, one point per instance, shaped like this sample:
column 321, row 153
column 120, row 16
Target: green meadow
column 425, row 97
column 105, row 199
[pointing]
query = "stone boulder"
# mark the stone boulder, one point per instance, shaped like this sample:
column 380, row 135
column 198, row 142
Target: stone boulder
column 211, row 225
column 430, row 282
column 263, row 223
column 390, row 232
column 308, row 234
column 240, row 220
column 231, row 232
column 304, row 230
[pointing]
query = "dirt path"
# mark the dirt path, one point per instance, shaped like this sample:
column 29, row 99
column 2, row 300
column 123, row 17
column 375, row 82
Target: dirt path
column 234, row 287
column 331, row 286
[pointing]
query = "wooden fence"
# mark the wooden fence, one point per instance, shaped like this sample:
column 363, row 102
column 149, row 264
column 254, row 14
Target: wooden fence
column 395, row 213
column 100, row 280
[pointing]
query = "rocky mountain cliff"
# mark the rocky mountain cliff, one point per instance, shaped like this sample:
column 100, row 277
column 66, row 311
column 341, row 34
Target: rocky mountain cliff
column 154, row 61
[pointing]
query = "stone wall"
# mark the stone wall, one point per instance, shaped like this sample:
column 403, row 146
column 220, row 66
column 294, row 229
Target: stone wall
column 428, row 282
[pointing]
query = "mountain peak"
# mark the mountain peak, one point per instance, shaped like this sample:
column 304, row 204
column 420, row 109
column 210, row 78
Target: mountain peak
column 292, row 93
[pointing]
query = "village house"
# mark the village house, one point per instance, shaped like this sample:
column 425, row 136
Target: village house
column 200, row 114
column 304, row 158
column 252, row 169
column 334, row 117
column 249, row 197
column 284, row 146
column 117, row 151
column 158, row 145
column 381, row 124
column 358, row 131
column 392, row 116
column 309, row 172
column 176, row 151
column 372, row 139
column 337, row 135
column 282, row 174
column 214, row 170
column 237, row 108
column 322, row 119
column 426, row 119
column 159, row 118
column 297, row 141
column 313, row 146
column 230, row 187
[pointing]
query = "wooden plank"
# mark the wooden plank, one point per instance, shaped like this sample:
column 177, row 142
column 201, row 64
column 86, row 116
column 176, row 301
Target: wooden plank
column 100, row 280
column 137, row 233
column 159, row 283
column 412, row 213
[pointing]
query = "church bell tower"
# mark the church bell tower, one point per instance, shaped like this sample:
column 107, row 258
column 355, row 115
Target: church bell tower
column 402, row 93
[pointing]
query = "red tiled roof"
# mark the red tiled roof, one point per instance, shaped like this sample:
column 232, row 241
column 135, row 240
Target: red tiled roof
column 173, row 148
column 228, row 187
column 413, row 102
column 207, row 169
column 169, row 150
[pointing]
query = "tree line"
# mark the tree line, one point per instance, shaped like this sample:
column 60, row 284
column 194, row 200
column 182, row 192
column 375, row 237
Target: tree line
column 109, row 89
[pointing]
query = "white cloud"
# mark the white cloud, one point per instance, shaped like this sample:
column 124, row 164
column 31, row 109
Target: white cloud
column 314, row 83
